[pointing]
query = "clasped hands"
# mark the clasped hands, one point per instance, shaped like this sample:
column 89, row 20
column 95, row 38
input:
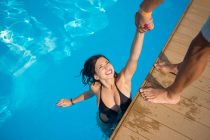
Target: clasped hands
column 144, row 21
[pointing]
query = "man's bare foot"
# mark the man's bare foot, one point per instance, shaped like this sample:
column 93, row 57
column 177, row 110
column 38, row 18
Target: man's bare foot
column 167, row 68
column 158, row 96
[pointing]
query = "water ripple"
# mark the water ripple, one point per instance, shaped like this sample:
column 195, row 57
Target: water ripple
column 5, row 112
column 81, row 18
column 26, row 38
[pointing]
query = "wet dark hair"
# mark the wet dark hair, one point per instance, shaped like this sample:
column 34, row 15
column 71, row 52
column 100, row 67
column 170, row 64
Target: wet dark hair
column 89, row 70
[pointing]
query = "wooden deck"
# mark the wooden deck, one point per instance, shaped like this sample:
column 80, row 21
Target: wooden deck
column 189, row 119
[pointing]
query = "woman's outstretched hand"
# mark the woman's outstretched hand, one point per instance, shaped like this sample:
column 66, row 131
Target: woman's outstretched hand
column 64, row 103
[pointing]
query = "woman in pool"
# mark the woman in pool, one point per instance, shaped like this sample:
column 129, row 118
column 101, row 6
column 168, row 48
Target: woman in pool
column 113, row 90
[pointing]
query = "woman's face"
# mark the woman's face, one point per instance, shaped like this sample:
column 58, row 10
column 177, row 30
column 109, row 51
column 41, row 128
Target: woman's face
column 103, row 69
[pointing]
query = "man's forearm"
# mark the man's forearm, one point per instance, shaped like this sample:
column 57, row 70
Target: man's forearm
column 149, row 5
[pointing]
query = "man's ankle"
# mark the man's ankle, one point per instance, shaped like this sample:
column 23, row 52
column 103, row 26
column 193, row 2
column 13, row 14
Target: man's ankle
column 171, row 93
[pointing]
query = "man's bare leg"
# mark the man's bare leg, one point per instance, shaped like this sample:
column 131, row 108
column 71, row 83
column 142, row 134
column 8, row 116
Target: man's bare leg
column 191, row 68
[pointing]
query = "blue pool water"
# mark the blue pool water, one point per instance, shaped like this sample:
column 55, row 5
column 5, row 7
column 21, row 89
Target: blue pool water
column 43, row 45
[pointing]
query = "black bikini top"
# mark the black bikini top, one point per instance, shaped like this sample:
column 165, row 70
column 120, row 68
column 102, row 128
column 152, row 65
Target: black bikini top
column 110, row 114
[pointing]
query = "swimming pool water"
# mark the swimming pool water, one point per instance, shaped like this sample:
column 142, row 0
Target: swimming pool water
column 43, row 45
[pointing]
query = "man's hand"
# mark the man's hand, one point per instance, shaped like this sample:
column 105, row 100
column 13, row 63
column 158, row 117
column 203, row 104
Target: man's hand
column 143, row 23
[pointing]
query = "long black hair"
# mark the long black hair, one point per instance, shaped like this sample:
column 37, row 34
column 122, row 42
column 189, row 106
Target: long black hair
column 89, row 70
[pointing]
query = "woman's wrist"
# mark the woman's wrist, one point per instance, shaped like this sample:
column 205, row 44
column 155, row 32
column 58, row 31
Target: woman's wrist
column 71, row 100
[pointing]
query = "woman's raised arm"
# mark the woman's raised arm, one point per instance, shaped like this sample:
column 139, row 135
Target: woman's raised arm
column 130, row 68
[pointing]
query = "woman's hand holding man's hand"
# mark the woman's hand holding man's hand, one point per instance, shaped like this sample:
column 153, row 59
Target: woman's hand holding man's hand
column 144, row 21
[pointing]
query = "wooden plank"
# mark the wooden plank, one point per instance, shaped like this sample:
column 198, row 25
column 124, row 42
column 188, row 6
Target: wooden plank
column 126, row 134
column 202, row 3
column 173, row 57
column 200, row 8
column 197, row 96
column 183, row 39
column 187, row 31
column 195, row 18
column 203, row 83
column 186, row 34
column 150, row 128
column 193, row 111
column 200, row 12
column 178, row 47
column 191, row 25
column 177, row 122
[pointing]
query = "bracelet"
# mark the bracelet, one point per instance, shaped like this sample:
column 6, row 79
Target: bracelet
column 72, row 101
column 145, row 14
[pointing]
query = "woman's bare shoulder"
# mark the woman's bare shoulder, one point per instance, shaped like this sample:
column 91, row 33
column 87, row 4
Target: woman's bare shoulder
column 95, row 87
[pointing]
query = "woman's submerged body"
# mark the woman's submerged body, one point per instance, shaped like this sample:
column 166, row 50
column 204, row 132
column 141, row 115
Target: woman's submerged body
column 113, row 90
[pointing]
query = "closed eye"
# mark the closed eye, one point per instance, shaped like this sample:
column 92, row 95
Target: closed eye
column 107, row 62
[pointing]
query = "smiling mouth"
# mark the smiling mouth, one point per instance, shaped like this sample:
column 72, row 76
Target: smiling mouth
column 109, row 72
